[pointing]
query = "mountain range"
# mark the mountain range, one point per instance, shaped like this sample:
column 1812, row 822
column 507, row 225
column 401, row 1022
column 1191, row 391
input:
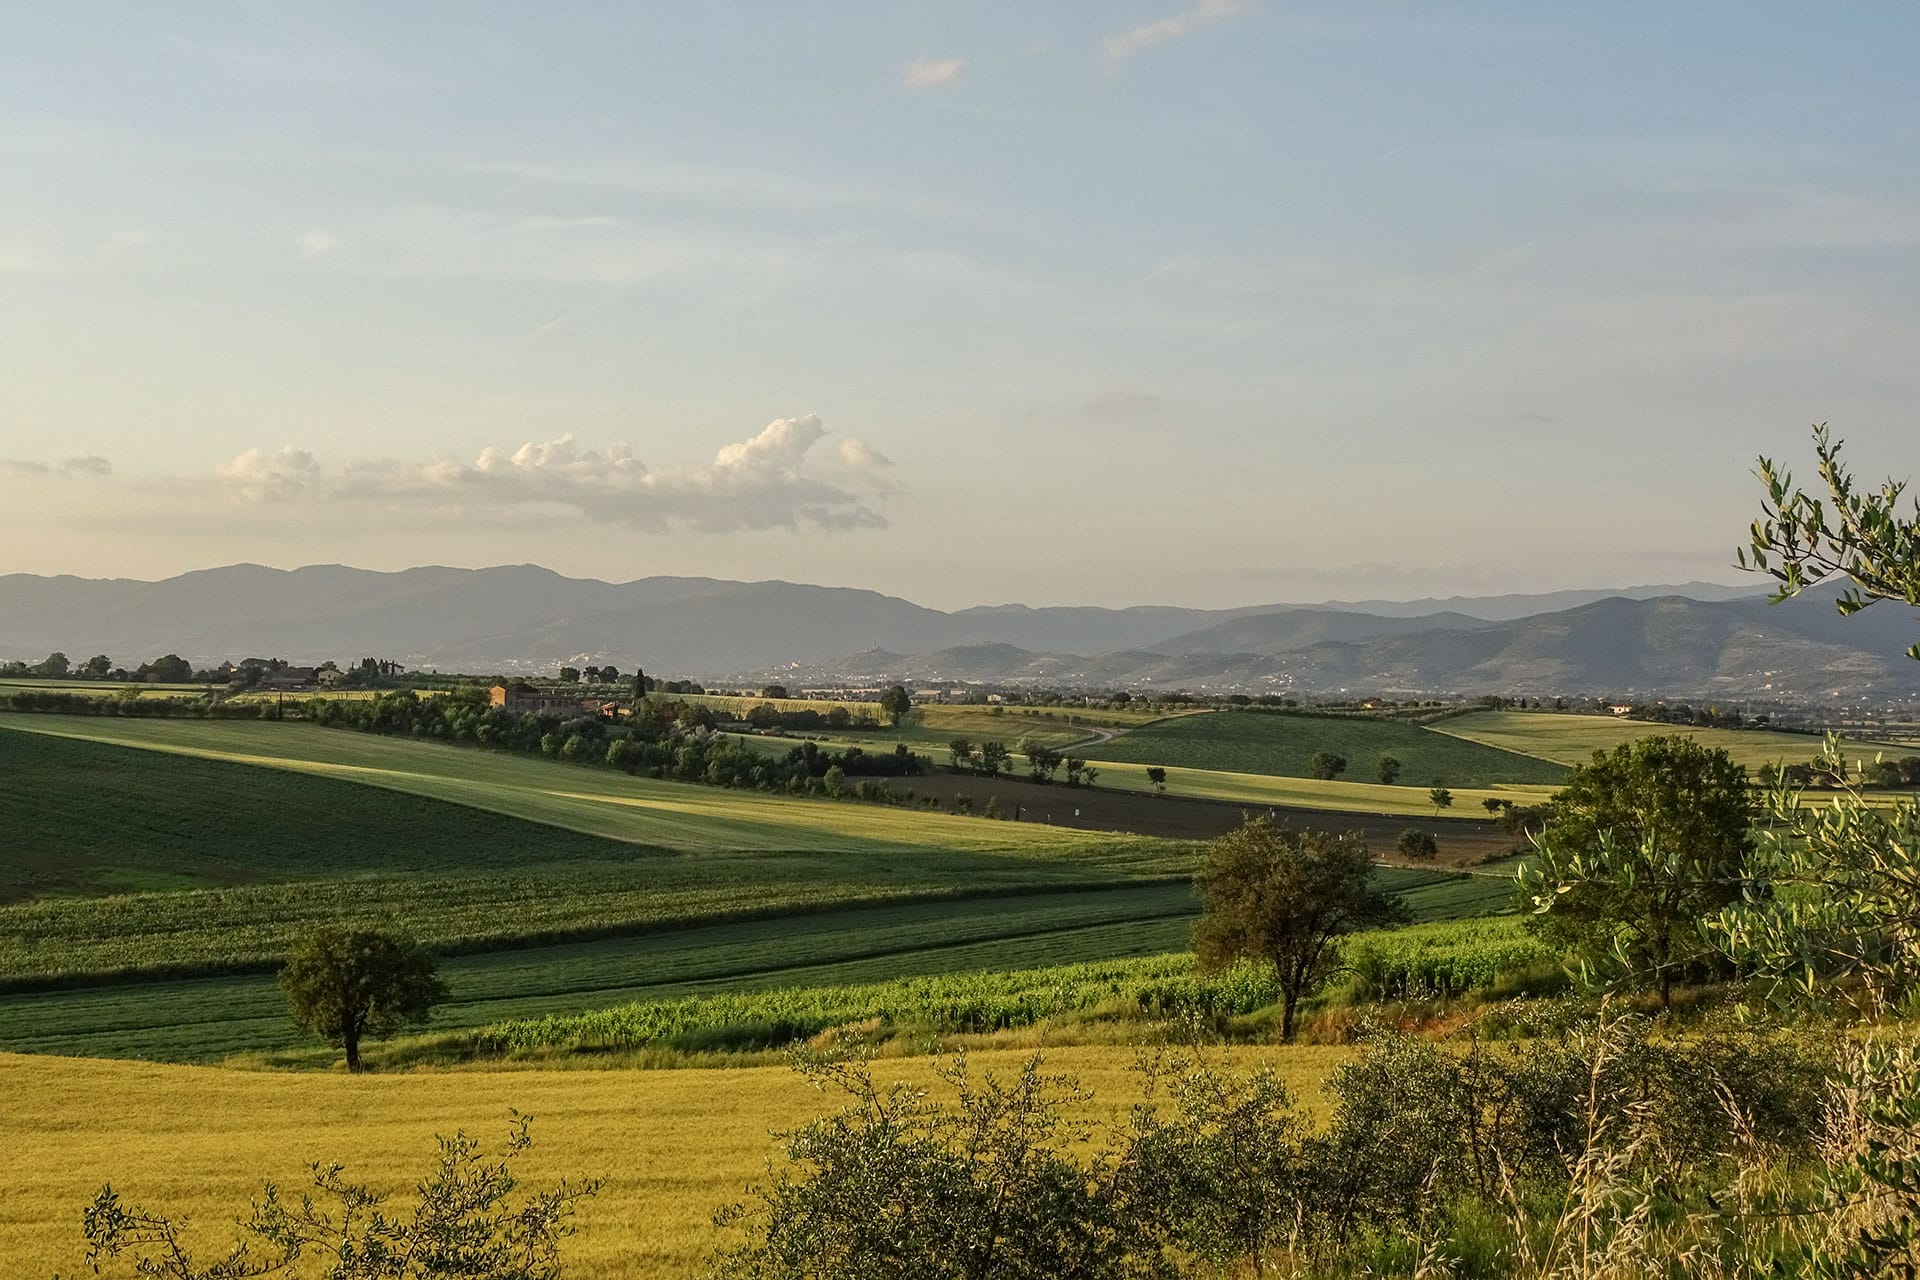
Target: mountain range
column 1696, row 639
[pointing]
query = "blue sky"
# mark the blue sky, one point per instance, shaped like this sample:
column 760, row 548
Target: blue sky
column 1206, row 303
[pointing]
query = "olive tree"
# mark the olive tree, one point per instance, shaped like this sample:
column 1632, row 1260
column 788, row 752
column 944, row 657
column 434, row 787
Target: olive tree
column 347, row 984
column 1284, row 898
column 1838, row 907
column 1642, row 845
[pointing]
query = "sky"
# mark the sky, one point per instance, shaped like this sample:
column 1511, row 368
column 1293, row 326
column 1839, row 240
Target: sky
column 1199, row 302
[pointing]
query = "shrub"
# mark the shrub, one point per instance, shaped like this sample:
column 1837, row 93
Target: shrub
column 1417, row 844
column 461, row 1227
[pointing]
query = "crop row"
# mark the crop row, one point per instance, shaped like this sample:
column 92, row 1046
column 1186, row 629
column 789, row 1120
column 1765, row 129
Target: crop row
column 1444, row 959
column 1422, row 959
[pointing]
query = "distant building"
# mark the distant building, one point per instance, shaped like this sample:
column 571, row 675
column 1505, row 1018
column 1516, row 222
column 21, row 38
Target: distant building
column 541, row 702
column 1621, row 708
column 291, row 678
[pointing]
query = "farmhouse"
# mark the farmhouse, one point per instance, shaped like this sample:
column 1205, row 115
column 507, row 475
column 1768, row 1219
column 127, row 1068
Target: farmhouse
column 537, row 701
column 291, row 678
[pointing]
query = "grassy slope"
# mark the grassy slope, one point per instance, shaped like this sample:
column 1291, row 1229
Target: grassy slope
column 745, row 853
column 588, row 799
column 1282, row 745
column 82, row 817
column 1572, row 739
column 673, row 1144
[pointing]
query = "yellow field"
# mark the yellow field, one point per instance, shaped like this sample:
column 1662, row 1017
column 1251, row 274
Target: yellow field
column 673, row 1145
column 1310, row 793
column 1572, row 739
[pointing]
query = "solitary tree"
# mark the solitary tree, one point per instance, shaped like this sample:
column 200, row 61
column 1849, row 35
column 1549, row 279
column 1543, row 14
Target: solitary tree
column 569, row 675
column 1327, row 765
column 1440, row 797
column 961, row 752
column 896, row 702
column 1642, row 845
column 1493, row 806
column 1389, row 770
column 994, row 758
column 639, row 686
column 1414, row 843
column 1158, row 777
column 347, row 984
column 1284, row 898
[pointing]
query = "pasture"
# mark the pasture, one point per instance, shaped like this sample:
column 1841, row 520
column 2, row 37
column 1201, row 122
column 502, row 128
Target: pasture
column 674, row 1145
column 1283, row 744
column 1572, row 739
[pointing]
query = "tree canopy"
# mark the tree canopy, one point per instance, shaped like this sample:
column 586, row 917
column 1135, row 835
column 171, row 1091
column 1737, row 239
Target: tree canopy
column 348, row 984
column 1283, row 898
column 1642, row 845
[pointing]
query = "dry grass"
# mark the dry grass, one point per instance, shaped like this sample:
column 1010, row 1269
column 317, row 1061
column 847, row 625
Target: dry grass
column 673, row 1145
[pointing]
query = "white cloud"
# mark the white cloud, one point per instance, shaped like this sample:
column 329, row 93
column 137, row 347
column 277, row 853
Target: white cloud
column 257, row 476
column 84, row 464
column 1121, row 45
column 759, row 483
column 861, row 456
column 933, row 73
column 315, row 243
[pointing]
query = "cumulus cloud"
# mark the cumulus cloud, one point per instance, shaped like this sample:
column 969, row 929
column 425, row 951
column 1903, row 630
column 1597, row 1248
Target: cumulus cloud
column 763, row 482
column 1122, row 45
column 933, row 73
column 84, row 464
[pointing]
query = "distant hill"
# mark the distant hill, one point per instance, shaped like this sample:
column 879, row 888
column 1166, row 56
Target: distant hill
column 527, row 617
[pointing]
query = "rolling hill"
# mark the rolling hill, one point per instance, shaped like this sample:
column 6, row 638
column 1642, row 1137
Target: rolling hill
column 525, row 617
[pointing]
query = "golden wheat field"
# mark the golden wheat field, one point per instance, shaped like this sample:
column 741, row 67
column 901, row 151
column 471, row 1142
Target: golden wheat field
column 672, row 1145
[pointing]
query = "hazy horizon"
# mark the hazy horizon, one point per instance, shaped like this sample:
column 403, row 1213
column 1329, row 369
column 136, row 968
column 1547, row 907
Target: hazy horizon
column 1492, row 592
column 1197, row 302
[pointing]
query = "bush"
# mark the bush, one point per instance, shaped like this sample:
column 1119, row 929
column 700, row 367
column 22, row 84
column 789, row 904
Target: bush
column 461, row 1227
column 1417, row 844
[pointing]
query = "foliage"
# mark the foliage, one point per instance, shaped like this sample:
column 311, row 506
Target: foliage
column 1283, row 898
column 1860, row 534
column 1833, row 912
column 1448, row 959
column 1414, row 843
column 1640, row 848
column 463, row 1226
column 344, row 985
column 1326, row 765
column 1440, row 798
column 897, row 1184
column 1388, row 770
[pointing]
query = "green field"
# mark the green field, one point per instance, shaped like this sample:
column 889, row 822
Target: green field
column 157, row 870
column 209, row 1018
column 1572, row 739
column 529, row 850
column 1282, row 745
